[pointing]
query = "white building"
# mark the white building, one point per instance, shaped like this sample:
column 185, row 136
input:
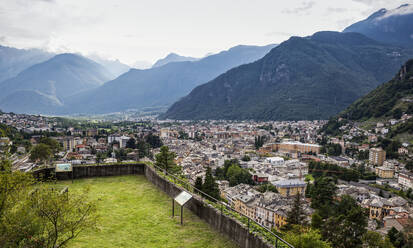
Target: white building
column 277, row 161
column 405, row 180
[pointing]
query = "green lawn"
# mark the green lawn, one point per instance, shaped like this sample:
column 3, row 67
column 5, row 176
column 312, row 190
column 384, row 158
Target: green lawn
column 134, row 213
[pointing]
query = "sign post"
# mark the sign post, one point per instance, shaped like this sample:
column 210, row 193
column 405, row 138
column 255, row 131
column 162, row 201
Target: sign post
column 64, row 168
column 182, row 198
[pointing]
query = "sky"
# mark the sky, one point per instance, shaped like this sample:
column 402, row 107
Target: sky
column 142, row 31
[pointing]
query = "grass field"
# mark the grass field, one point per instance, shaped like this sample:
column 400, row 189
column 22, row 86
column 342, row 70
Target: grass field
column 134, row 213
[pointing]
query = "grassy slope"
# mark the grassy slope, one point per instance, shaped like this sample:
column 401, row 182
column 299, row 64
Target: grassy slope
column 134, row 213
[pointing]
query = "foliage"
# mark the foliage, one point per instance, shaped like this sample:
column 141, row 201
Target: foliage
column 246, row 158
column 153, row 140
column 41, row 152
column 210, row 187
column 166, row 159
column 318, row 169
column 305, row 238
column 322, row 195
column 198, row 183
column 375, row 240
column 331, row 149
column 232, row 172
column 38, row 215
column 314, row 78
column 131, row 143
column 296, row 216
column 267, row 187
column 259, row 142
column 381, row 102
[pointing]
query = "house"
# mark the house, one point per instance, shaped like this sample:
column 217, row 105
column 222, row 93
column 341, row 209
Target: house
column 260, row 178
column 385, row 172
column 290, row 187
column 405, row 179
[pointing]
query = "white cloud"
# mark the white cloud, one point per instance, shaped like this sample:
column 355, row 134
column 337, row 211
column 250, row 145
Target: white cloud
column 146, row 30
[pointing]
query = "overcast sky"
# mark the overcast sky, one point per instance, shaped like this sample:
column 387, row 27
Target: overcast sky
column 146, row 30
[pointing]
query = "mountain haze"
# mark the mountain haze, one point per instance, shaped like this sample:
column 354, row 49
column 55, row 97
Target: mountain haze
column 160, row 86
column 172, row 57
column 49, row 82
column 13, row 60
column 303, row 78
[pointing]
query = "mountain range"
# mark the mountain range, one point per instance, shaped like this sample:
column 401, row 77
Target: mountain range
column 311, row 77
column 13, row 60
column 172, row 57
column 160, row 86
column 41, row 87
column 390, row 26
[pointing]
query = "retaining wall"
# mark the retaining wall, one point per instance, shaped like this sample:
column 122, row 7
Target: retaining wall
column 228, row 226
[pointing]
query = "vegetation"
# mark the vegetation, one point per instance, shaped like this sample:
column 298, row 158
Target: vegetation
column 166, row 160
column 318, row 169
column 259, row 142
column 326, row 87
column 382, row 101
column 232, row 172
column 134, row 213
column 341, row 222
column 36, row 215
column 209, row 186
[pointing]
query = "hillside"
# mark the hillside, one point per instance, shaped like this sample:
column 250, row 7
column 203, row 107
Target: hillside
column 389, row 26
column 13, row 60
column 303, row 78
column 44, row 85
column 160, row 86
column 172, row 57
column 389, row 100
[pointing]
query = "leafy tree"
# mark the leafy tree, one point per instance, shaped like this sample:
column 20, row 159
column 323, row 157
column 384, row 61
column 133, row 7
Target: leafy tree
column 267, row 187
column 396, row 238
column 347, row 226
column 52, row 143
column 35, row 215
column 198, row 183
column 165, row 159
column 40, row 152
column 296, row 215
column 375, row 240
column 316, row 221
column 210, row 187
column 322, row 195
column 246, row 158
column 99, row 157
column 305, row 238
column 153, row 140
column 131, row 143
column 237, row 175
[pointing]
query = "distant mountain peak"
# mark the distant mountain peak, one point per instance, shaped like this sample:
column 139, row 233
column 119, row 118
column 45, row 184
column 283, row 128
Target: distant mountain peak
column 172, row 57
column 392, row 26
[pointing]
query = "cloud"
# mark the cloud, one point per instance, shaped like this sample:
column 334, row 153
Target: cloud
column 304, row 8
column 3, row 39
column 336, row 10
column 279, row 33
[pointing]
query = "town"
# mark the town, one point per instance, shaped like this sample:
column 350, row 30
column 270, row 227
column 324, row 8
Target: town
column 259, row 167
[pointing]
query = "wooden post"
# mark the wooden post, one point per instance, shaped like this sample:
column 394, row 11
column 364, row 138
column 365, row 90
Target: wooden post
column 182, row 215
column 173, row 208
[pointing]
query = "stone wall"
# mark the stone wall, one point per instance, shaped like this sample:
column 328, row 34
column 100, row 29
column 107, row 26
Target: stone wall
column 231, row 227
column 91, row 171
column 228, row 226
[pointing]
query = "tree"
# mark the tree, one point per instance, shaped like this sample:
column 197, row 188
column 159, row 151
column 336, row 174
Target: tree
column 165, row 159
column 322, row 195
column 99, row 157
column 246, row 158
column 375, row 240
column 316, row 221
column 131, row 143
column 40, row 152
column 210, row 187
column 153, row 140
column 52, row 143
column 396, row 238
column 35, row 215
column 347, row 226
column 296, row 215
column 198, row 183
column 305, row 238
column 259, row 142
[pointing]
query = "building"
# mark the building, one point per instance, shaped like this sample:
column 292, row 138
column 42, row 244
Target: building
column 385, row 172
column 377, row 156
column 275, row 161
column 260, row 178
column 123, row 140
column 290, row 187
column 295, row 146
column 68, row 143
column 405, row 180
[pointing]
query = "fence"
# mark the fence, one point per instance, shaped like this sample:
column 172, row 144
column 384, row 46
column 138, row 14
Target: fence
column 225, row 209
